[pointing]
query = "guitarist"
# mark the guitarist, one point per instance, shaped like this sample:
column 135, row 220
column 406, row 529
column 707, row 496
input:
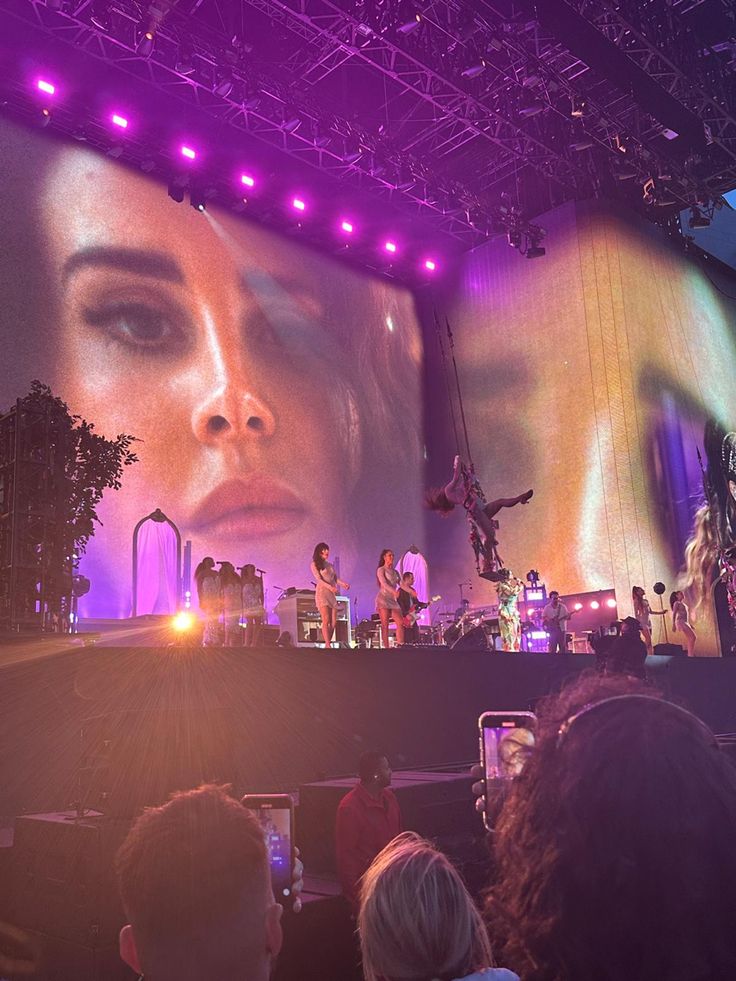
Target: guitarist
column 554, row 617
column 410, row 607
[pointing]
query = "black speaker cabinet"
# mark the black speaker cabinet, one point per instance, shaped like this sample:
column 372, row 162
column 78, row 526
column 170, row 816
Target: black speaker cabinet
column 63, row 880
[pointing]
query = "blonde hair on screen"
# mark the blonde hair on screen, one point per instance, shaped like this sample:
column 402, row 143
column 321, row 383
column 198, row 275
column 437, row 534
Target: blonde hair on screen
column 417, row 919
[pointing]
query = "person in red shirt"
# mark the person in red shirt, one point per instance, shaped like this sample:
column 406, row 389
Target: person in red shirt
column 368, row 818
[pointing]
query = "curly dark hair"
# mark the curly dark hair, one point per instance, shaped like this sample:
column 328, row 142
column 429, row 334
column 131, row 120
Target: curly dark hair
column 615, row 853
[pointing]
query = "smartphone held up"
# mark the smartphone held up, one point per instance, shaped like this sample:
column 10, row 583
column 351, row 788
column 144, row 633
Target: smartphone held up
column 275, row 814
column 506, row 739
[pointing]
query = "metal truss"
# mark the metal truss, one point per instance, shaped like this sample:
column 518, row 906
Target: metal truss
column 700, row 89
column 265, row 121
column 460, row 114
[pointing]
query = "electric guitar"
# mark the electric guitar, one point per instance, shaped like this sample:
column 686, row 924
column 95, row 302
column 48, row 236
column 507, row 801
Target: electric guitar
column 548, row 624
column 416, row 608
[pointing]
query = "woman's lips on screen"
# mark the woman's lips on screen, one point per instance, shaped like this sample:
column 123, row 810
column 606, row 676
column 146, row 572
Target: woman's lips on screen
column 250, row 508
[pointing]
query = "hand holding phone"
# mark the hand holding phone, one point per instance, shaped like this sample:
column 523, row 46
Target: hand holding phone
column 275, row 814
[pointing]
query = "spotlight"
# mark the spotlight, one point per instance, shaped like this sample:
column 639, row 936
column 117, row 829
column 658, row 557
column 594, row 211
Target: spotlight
column 185, row 60
column 430, row 265
column 291, row 122
column 406, row 179
column 578, row 107
column 594, row 605
column 251, row 98
column 197, row 199
column 176, row 192
column 321, row 137
column 183, row 621
column 45, row 118
column 475, row 68
column 353, row 150
column 410, row 25
column 298, row 204
column 535, row 252
column 119, row 121
column 225, row 86
column 47, row 87
column 611, row 603
column 390, row 247
column 697, row 218
column 100, row 16
column 346, row 226
column 578, row 606
column 188, row 152
column 247, row 180
column 513, row 237
column 145, row 44
column 531, row 109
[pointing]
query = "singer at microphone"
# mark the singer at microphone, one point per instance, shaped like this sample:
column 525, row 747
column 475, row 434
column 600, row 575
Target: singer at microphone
column 253, row 606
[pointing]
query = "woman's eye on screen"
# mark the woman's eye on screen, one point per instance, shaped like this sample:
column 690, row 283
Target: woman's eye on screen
column 136, row 324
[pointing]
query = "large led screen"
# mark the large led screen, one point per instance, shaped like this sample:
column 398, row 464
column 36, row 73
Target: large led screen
column 590, row 375
column 275, row 393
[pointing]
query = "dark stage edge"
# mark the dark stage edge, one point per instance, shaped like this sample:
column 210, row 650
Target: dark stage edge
column 273, row 719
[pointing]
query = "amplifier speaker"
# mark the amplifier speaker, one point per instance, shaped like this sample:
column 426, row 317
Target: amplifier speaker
column 669, row 650
column 267, row 635
column 475, row 639
column 64, row 883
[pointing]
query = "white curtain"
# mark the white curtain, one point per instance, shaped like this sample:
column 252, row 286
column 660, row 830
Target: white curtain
column 157, row 573
column 416, row 563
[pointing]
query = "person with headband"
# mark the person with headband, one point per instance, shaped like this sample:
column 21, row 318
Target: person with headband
column 614, row 851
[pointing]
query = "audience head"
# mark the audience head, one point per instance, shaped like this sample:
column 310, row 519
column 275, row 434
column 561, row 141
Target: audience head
column 374, row 769
column 615, row 841
column 630, row 625
column 417, row 920
column 195, row 885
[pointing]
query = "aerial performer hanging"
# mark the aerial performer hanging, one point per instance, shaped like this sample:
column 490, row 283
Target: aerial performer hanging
column 464, row 489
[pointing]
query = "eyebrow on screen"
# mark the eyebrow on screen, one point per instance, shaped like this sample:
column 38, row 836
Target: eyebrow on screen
column 140, row 262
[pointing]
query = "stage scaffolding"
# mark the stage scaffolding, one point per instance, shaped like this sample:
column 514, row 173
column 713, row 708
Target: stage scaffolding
column 36, row 560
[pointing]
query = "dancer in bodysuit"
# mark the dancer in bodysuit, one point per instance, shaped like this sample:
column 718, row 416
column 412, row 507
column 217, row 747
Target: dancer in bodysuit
column 464, row 489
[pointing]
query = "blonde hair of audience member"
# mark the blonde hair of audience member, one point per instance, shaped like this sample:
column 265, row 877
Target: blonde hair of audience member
column 416, row 917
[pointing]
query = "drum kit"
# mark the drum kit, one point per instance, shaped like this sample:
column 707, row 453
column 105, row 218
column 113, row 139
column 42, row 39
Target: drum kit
column 474, row 628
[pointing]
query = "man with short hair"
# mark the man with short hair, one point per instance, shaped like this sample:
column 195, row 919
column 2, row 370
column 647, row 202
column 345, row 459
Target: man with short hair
column 196, row 888
column 368, row 818
column 555, row 616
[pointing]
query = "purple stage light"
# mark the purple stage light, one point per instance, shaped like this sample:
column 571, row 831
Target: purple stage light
column 247, row 180
column 298, row 204
column 430, row 265
column 347, row 226
column 119, row 120
column 390, row 247
column 186, row 151
column 43, row 86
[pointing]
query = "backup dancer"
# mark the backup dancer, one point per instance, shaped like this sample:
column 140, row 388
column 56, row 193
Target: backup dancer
column 387, row 604
column 327, row 584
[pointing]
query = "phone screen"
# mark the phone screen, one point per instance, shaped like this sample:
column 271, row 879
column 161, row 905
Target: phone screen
column 506, row 739
column 276, row 821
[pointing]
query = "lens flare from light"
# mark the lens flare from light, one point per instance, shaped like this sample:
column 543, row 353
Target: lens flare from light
column 390, row 247
column 247, row 180
column 188, row 152
column 430, row 265
column 183, row 621
column 119, row 120
column 298, row 204
column 347, row 226
column 48, row 87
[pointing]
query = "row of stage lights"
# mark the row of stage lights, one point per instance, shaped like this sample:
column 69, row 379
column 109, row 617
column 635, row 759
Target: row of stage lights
column 246, row 182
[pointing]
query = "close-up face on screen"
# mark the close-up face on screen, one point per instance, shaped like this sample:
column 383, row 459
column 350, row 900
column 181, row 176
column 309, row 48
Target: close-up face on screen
column 266, row 384
column 505, row 750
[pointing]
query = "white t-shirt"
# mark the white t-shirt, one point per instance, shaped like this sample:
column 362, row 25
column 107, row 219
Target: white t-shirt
column 551, row 613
